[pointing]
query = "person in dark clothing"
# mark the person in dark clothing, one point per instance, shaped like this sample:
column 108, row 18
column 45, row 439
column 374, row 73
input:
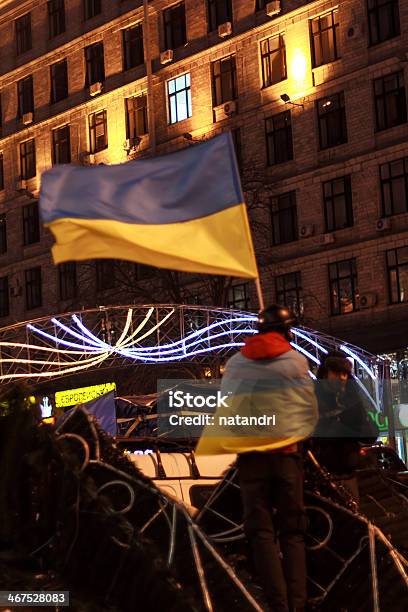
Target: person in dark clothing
column 343, row 420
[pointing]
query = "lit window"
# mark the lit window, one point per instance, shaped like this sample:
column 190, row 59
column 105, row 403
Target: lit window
column 273, row 58
column 325, row 32
column 344, row 295
column 136, row 116
column 179, row 98
column 98, row 131
column 224, row 80
column 61, row 145
column 397, row 268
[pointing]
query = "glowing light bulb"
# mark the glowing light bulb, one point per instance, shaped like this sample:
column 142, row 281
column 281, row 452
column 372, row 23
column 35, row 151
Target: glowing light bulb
column 299, row 66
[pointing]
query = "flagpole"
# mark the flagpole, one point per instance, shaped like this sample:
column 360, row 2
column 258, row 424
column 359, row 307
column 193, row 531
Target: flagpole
column 259, row 293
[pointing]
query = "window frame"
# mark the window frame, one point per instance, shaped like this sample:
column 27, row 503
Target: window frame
column 232, row 302
column 61, row 136
column 214, row 8
column 174, row 20
column 330, row 200
column 31, row 223
column 105, row 269
column 140, row 116
column 217, row 78
column 57, row 83
column 94, row 63
column 375, row 12
column 56, row 17
column 1, row 171
column 23, row 34
column 389, row 181
column 4, row 297
column 93, row 138
column 395, row 268
column 353, row 276
column 67, row 279
column 175, row 94
column 25, row 96
column 91, row 9
column 326, row 118
column 132, row 43
column 297, row 288
column 274, row 133
column 282, row 216
column 335, row 26
column 3, row 233
column 385, row 97
column 26, row 155
column 267, row 73
column 33, row 288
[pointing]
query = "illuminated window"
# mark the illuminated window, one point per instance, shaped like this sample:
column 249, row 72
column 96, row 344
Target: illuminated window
column 289, row 292
column 174, row 20
column 273, row 58
column 224, row 80
column 25, row 96
column 98, row 131
column 397, row 267
column 390, row 101
column 238, row 297
column 59, row 81
column 136, row 116
column 1, row 172
column 3, row 234
column 105, row 274
column 344, row 296
column 31, row 224
column 324, row 33
column 219, row 12
column 61, row 145
column 383, row 20
column 133, row 54
column 56, row 17
column 394, row 187
column 338, row 207
column 23, row 34
column 27, row 159
column 179, row 98
column 33, row 288
column 279, row 142
column 67, row 280
column 4, row 297
column 92, row 8
column 95, row 64
column 332, row 121
column 284, row 218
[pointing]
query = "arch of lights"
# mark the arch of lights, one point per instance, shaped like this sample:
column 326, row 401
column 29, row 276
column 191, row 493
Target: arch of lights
column 150, row 334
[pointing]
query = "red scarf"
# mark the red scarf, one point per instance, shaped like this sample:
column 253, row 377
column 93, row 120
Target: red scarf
column 265, row 346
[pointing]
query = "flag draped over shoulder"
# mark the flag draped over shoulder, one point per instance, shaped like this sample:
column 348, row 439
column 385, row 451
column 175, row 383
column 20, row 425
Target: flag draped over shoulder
column 183, row 211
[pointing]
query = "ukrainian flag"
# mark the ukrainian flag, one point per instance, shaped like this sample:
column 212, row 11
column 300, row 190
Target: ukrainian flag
column 183, row 211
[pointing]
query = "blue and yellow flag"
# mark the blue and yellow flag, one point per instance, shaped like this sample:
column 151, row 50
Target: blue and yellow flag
column 183, row 211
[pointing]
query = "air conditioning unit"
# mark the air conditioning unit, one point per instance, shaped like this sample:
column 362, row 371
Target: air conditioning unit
column 225, row 29
column 383, row 224
column 166, row 57
column 273, row 8
column 95, row 89
column 225, row 110
column 27, row 118
column 131, row 143
column 368, row 300
column 328, row 238
column 306, row 230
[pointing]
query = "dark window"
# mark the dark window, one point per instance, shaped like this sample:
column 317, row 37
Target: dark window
column 219, row 11
column 4, row 297
column 238, row 297
column 56, row 17
column 273, row 58
column 344, row 296
column 105, row 274
column 324, row 33
column 390, row 101
column 260, row 4
column 174, row 20
column 59, row 81
column 179, row 98
column 144, row 272
column 136, row 116
column 394, row 187
column 95, row 64
column 25, row 96
column 67, row 280
column 133, row 47
column 289, row 292
column 383, row 20
column 1, row 172
column 332, row 121
column 23, row 34
column 3, row 234
column 33, row 289
column 397, row 268
column 338, row 206
column 1, row 113
column 284, row 218
column 27, row 159
column 61, row 145
column 236, row 137
column 98, row 131
column 279, row 138
column 92, row 8
column 224, row 80
column 31, row 224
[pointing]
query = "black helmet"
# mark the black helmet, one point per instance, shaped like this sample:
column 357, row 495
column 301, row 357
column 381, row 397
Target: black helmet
column 336, row 362
column 276, row 318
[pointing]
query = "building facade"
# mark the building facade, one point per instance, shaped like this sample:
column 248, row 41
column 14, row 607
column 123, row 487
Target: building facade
column 315, row 96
